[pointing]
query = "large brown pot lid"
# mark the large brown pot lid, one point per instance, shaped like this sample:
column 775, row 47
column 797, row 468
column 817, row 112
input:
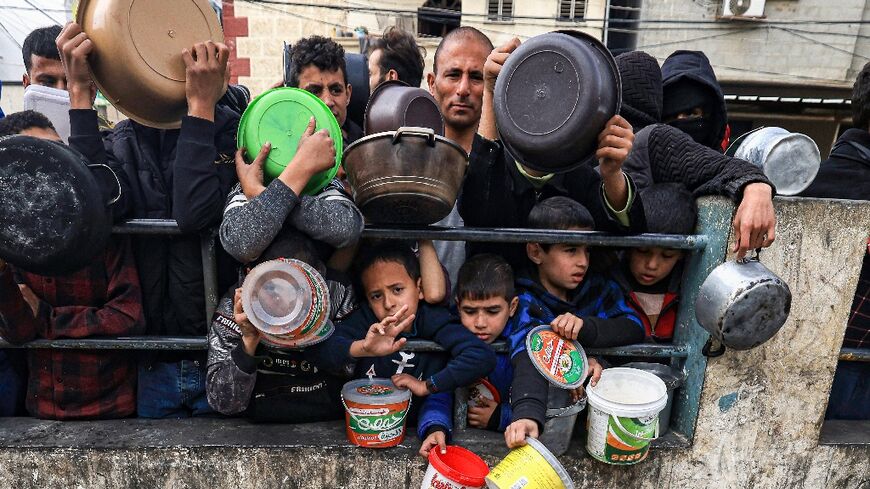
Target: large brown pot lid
column 136, row 62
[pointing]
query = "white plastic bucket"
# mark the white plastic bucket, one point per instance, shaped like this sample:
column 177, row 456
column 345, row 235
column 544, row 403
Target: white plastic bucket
column 623, row 415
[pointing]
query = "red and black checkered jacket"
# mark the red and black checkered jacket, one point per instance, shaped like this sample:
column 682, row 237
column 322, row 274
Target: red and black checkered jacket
column 102, row 299
column 858, row 327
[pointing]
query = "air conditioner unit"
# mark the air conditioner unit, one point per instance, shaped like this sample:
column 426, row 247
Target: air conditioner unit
column 743, row 8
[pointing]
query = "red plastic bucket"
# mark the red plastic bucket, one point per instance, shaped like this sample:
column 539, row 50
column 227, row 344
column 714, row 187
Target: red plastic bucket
column 457, row 469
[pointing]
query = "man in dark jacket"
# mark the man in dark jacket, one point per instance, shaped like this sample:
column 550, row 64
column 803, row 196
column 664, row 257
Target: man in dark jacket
column 846, row 175
column 662, row 153
column 182, row 174
column 693, row 101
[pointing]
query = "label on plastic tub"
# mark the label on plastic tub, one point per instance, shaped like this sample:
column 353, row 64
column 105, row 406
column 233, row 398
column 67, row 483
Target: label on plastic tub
column 561, row 361
column 619, row 440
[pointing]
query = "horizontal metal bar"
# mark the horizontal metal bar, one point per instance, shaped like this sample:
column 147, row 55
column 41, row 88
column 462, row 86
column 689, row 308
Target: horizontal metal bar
column 200, row 343
column 510, row 235
column 855, row 354
column 495, row 235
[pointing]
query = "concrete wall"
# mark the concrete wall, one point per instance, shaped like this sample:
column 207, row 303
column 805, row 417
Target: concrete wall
column 474, row 15
column 739, row 50
column 758, row 427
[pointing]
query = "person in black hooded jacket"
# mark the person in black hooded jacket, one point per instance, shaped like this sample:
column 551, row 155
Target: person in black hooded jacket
column 692, row 100
column 846, row 175
column 182, row 174
column 662, row 153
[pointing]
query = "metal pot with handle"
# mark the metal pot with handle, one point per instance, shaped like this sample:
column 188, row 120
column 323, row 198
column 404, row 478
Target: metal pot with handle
column 742, row 303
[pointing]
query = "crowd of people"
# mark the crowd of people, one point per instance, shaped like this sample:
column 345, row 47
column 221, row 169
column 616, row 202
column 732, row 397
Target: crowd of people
column 664, row 149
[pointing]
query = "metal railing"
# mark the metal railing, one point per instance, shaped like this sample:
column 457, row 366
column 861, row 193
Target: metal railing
column 706, row 250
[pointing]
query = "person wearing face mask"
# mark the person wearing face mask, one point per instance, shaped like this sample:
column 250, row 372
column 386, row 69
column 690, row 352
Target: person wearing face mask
column 692, row 99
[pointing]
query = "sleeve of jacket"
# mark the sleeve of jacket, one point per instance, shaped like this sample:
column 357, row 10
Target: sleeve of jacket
column 85, row 137
column 470, row 359
column 17, row 324
column 437, row 411
column 614, row 324
column 584, row 185
column 528, row 392
column 231, row 373
column 197, row 188
column 330, row 216
column 675, row 157
column 333, row 355
column 250, row 226
column 121, row 314
column 485, row 199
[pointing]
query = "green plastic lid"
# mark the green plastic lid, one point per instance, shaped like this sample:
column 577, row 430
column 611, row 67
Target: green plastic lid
column 280, row 116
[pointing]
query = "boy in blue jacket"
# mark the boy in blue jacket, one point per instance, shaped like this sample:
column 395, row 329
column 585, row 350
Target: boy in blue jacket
column 578, row 303
column 368, row 342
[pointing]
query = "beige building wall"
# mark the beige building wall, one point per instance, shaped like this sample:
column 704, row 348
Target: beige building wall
column 767, row 49
column 474, row 14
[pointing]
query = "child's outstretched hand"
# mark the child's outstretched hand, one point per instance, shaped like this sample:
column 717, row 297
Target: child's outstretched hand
column 567, row 325
column 413, row 384
column 478, row 416
column 435, row 439
column 381, row 339
column 516, row 433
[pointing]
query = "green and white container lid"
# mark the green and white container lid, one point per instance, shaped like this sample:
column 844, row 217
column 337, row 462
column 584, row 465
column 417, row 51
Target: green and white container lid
column 561, row 361
column 280, row 116
column 374, row 391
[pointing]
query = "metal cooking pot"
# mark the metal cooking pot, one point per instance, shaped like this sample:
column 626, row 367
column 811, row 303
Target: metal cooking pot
column 742, row 303
column 55, row 218
column 394, row 104
column 553, row 97
column 136, row 62
column 790, row 160
column 410, row 176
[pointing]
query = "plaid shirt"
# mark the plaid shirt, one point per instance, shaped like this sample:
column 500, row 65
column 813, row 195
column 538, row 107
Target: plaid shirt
column 102, row 299
column 858, row 327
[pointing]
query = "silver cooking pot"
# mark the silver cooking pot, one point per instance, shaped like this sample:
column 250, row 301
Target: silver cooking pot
column 742, row 303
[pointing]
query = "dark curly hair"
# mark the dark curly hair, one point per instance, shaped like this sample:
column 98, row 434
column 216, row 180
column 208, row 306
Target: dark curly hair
column 41, row 43
column 400, row 52
column 669, row 208
column 861, row 99
column 16, row 123
column 324, row 53
column 484, row 276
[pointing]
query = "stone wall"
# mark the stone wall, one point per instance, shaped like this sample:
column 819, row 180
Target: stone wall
column 758, row 426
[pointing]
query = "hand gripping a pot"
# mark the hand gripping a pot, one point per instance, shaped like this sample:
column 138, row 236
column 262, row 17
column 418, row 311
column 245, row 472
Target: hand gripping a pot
column 54, row 211
column 742, row 304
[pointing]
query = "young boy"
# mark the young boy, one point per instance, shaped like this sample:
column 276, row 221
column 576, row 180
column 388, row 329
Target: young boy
column 486, row 299
column 368, row 342
column 650, row 277
column 561, row 290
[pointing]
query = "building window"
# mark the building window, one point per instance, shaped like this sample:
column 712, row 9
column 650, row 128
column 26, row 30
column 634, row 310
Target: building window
column 500, row 10
column 572, row 9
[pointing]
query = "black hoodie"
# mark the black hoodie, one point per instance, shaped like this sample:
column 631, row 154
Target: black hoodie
column 693, row 66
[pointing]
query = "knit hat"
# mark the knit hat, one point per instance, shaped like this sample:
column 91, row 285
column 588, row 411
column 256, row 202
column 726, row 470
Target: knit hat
column 641, row 88
column 669, row 208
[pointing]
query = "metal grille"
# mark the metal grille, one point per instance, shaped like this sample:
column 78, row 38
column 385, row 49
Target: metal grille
column 572, row 9
column 500, row 9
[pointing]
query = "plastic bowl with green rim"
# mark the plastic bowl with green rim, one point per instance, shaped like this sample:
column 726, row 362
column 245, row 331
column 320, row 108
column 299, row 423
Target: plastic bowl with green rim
column 280, row 116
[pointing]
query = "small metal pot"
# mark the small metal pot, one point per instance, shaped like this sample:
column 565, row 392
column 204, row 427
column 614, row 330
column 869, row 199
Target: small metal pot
column 789, row 159
column 394, row 104
column 742, row 303
column 410, row 176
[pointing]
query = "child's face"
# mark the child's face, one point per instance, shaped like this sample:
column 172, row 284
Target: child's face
column 486, row 317
column 650, row 265
column 562, row 268
column 388, row 287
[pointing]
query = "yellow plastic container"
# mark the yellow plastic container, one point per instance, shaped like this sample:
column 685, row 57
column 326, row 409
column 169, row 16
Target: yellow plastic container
column 529, row 467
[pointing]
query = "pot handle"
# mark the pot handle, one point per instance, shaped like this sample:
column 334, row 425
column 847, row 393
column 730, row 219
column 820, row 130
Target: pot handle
column 115, row 176
column 426, row 132
column 747, row 259
column 708, row 350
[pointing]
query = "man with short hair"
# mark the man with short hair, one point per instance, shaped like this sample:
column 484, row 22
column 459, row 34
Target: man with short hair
column 42, row 63
column 395, row 56
column 101, row 299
